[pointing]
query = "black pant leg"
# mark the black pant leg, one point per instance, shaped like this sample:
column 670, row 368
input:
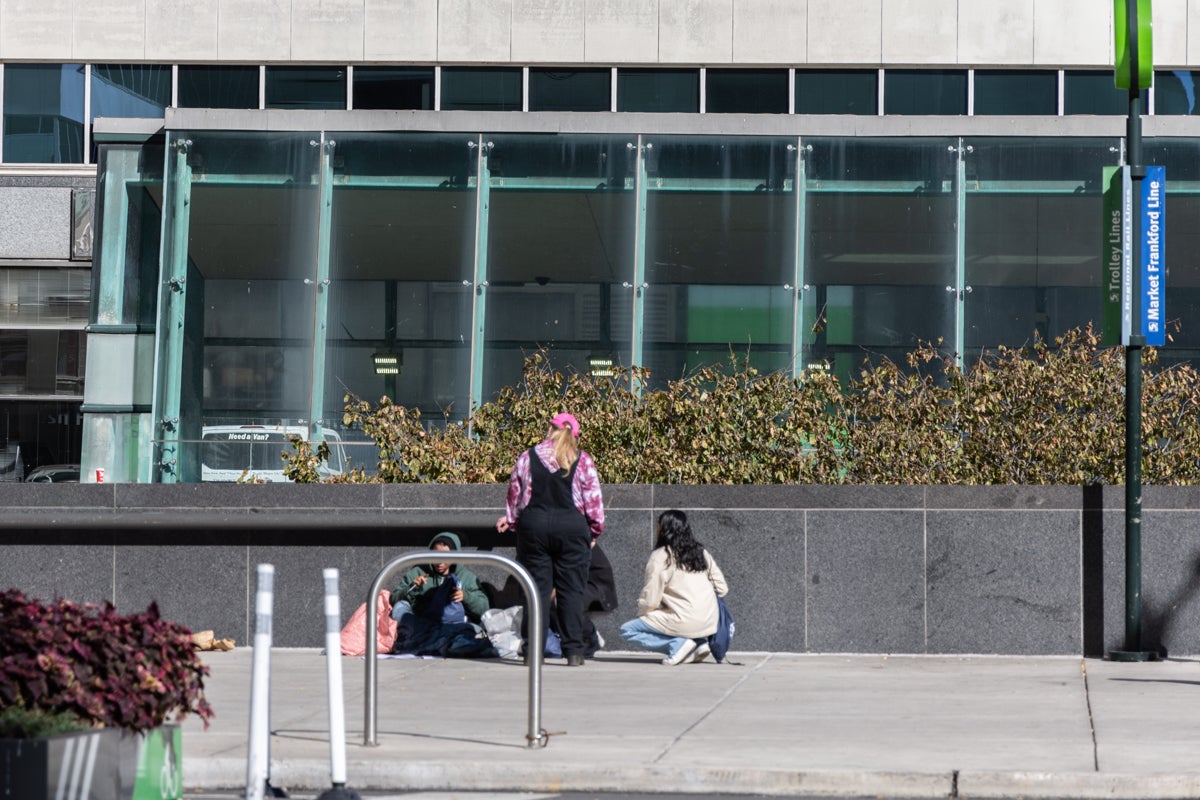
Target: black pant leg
column 570, row 582
column 534, row 555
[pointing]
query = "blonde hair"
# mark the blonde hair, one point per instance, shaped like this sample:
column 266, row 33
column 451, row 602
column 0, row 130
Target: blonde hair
column 566, row 451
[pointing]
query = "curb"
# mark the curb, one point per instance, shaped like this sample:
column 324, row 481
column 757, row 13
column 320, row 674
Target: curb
column 313, row 775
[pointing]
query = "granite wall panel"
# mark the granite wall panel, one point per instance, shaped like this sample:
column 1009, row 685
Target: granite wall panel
column 1004, row 582
column 1014, row 570
column 77, row 565
column 865, row 582
column 199, row 581
column 300, row 561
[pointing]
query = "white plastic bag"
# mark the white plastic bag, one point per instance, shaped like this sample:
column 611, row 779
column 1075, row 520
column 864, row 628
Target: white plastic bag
column 503, row 626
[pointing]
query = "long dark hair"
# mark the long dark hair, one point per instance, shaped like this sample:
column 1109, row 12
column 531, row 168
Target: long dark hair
column 675, row 534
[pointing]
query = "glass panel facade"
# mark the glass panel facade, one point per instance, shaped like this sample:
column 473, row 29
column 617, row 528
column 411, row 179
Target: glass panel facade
column 1093, row 93
column 880, row 248
column 1175, row 92
column 401, row 272
column 570, row 90
column 246, row 340
column 1033, row 235
column 459, row 254
column 746, row 91
column 720, row 244
column 218, row 87
column 42, row 361
column 393, row 88
column 470, row 89
column 560, row 253
column 306, row 87
column 1016, row 92
column 824, row 91
column 43, row 113
column 924, row 91
column 44, row 297
column 658, row 90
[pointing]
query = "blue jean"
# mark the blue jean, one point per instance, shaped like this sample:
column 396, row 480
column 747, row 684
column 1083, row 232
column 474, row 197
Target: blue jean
column 644, row 635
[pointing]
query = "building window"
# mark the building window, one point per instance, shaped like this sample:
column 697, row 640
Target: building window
column 218, row 87
column 1093, row 93
column 466, row 89
column 43, row 113
column 821, row 91
column 1175, row 92
column 1016, row 92
column 306, row 87
column 570, row 90
column 746, row 91
column 400, row 88
column 130, row 90
column 926, row 91
column 661, row 90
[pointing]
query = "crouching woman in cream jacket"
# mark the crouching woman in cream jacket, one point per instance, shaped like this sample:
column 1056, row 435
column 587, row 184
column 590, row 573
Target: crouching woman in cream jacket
column 677, row 610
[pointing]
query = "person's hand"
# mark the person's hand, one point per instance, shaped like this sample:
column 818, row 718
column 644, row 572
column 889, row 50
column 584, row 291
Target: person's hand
column 457, row 596
column 419, row 580
column 502, row 524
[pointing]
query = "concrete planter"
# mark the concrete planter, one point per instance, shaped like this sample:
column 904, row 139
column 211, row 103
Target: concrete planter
column 100, row 764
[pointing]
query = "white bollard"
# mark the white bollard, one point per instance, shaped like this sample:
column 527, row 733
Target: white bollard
column 258, row 767
column 337, row 706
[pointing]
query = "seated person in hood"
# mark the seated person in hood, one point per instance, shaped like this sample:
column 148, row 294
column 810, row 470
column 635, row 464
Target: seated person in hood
column 445, row 593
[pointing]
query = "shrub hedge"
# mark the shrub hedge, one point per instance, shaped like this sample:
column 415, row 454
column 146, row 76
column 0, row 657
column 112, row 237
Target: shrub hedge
column 1041, row 414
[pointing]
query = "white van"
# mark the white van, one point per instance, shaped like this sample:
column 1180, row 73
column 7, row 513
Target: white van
column 230, row 452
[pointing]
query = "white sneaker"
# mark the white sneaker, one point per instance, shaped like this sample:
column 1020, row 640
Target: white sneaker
column 702, row 652
column 681, row 654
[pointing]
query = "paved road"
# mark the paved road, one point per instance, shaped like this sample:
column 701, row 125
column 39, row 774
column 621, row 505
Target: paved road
column 784, row 725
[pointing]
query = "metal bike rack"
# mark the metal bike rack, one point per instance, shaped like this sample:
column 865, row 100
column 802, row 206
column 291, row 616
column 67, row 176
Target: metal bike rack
column 533, row 646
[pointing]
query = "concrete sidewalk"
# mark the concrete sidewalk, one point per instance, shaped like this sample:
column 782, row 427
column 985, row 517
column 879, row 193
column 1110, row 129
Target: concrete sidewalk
column 857, row 726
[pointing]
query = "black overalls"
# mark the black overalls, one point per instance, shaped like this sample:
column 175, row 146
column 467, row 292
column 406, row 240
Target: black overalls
column 554, row 544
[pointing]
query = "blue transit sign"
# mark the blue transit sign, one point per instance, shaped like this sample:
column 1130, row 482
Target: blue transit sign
column 1153, row 273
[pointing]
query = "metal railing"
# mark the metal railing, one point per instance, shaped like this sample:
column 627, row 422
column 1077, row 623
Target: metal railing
column 534, row 642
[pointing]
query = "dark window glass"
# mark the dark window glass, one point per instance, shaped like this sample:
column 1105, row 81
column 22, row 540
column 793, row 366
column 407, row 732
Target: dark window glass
column 1016, row 92
column 1093, row 93
column 1174, row 92
column 466, row 89
column 393, row 87
column 664, row 90
column 821, row 91
column 746, row 91
column 306, row 87
column 924, row 91
column 43, row 113
column 218, row 87
column 130, row 90
column 563, row 90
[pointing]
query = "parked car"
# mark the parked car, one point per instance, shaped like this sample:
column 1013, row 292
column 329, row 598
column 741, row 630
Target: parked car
column 54, row 473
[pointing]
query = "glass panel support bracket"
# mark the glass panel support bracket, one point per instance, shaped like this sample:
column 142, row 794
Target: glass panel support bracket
column 321, row 284
column 482, row 150
column 960, row 288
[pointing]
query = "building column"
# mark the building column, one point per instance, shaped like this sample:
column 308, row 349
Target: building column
column 119, row 377
column 168, row 464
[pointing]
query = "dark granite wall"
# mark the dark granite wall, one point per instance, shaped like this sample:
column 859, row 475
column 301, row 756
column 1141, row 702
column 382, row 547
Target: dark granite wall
column 1009, row 569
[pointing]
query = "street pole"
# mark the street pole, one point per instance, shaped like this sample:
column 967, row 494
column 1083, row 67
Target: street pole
column 1133, row 374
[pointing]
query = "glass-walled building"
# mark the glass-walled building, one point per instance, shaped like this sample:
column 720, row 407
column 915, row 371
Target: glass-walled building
column 230, row 230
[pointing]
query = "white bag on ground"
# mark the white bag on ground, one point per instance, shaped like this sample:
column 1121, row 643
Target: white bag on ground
column 503, row 626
